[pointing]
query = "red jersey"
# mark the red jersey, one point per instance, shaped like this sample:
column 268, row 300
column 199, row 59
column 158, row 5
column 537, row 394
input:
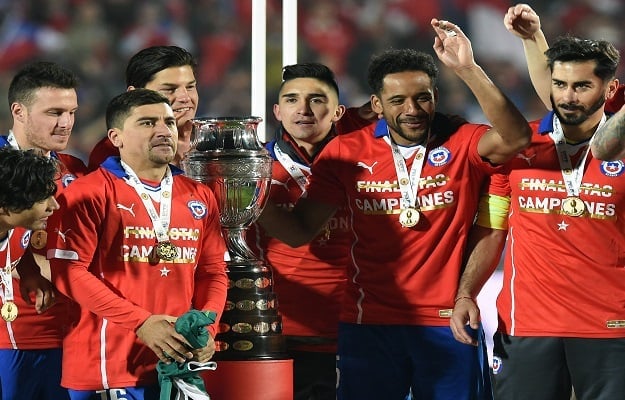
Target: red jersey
column 15, row 244
column 564, row 276
column 100, row 152
column 308, row 279
column 399, row 275
column 32, row 331
column 99, row 257
column 351, row 121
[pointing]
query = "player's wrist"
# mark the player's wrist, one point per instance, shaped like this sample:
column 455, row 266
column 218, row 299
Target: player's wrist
column 464, row 298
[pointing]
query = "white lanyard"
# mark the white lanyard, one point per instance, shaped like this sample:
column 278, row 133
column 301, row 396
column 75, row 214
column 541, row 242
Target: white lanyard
column 160, row 220
column 572, row 176
column 12, row 141
column 408, row 183
column 291, row 167
column 7, row 276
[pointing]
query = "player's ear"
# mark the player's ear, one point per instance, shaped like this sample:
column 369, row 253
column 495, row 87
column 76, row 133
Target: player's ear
column 338, row 113
column 19, row 112
column 114, row 136
column 276, row 112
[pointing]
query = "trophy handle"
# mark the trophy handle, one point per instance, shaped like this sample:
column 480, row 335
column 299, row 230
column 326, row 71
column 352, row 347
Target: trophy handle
column 237, row 246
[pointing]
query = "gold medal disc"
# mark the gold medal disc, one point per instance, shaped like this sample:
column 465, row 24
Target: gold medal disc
column 573, row 206
column 409, row 217
column 38, row 239
column 166, row 251
column 9, row 311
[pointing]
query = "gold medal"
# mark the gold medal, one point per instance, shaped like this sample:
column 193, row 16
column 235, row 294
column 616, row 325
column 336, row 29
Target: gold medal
column 573, row 206
column 38, row 239
column 166, row 251
column 9, row 311
column 409, row 217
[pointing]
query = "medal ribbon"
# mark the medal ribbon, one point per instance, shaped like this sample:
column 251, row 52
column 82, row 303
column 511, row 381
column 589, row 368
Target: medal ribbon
column 12, row 141
column 7, row 278
column 291, row 167
column 573, row 179
column 408, row 183
column 160, row 220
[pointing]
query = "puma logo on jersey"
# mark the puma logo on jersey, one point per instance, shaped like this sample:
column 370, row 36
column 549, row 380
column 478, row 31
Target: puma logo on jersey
column 365, row 166
column 277, row 182
column 129, row 209
column 526, row 158
column 62, row 234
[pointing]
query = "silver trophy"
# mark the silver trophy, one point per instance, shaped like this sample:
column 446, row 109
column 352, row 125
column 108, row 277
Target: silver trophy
column 227, row 156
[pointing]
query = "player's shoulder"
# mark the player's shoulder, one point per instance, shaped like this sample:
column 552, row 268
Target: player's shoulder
column 72, row 163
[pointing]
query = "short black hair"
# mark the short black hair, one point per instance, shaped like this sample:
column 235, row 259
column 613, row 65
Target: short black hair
column 399, row 60
column 26, row 177
column 570, row 48
column 310, row 70
column 37, row 75
column 148, row 62
column 122, row 105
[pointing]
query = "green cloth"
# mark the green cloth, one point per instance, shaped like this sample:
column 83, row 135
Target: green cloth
column 174, row 376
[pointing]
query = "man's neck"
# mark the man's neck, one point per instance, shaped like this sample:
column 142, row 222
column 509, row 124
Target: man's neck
column 23, row 143
column 582, row 132
column 151, row 173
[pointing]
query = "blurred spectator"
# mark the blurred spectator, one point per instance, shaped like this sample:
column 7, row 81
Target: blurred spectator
column 96, row 37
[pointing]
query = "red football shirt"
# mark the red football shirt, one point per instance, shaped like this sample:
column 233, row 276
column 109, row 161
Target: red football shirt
column 99, row 257
column 32, row 331
column 563, row 275
column 400, row 275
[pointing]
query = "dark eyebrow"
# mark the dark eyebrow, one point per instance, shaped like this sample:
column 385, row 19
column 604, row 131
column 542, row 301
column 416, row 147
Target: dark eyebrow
column 172, row 85
column 308, row 96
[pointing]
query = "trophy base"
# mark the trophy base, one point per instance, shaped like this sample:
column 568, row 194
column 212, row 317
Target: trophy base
column 250, row 347
column 250, row 327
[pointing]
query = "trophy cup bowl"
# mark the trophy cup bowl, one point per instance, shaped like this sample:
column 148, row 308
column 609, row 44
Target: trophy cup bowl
column 226, row 155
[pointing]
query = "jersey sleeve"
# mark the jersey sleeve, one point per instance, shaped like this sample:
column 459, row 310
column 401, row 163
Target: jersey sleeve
column 324, row 182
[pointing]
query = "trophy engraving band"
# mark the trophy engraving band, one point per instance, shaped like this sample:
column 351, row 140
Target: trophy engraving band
column 244, row 283
column 246, row 305
column 243, row 345
column 261, row 327
column 242, row 327
column 262, row 283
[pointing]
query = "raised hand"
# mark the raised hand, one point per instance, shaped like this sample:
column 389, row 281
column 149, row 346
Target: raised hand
column 522, row 21
column 451, row 45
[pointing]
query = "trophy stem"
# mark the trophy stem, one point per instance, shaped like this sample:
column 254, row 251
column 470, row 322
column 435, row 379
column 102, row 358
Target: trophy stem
column 237, row 247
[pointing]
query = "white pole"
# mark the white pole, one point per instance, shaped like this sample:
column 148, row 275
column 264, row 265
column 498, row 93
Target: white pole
column 259, row 63
column 289, row 32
